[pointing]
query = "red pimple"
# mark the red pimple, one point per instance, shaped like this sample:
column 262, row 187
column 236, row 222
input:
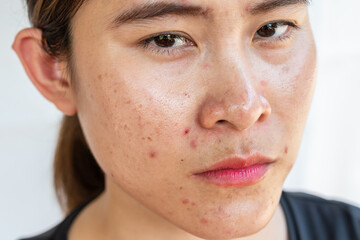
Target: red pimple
column 185, row 201
column 286, row 149
column 186, row 131
column 186, row 94
column 193, row 144
column 206, row 66
column 153, row 154
column 204, row 221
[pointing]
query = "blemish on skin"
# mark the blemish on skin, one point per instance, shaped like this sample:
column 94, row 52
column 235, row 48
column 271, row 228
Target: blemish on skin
column 100, row 77
column 193, row 144
column 182, row 160
column 115, row 91
column 128, row 102
column 185, row 201
column 206, row 66
column 180, row 188
column 193, row 204
column 286, row 149
column 140, row 106
column 112, row 175
column 149, row 138
column 263, row 83
column 186, row 131
column 204, row 221
column 153, row 154
column 186, row 94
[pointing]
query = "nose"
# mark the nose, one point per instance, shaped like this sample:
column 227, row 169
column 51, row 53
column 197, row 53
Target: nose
column 235, row 98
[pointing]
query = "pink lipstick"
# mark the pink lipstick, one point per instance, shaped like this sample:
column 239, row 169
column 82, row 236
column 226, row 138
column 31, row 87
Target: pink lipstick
column 237, row 171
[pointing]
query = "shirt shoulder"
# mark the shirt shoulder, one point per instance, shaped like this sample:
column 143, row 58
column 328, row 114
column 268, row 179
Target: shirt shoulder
column 60, row 231
column 313, row 217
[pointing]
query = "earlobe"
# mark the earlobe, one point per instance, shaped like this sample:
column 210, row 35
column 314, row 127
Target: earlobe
column 46, row 72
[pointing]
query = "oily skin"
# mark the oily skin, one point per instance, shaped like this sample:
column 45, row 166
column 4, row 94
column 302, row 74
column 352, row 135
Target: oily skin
column 153, row 121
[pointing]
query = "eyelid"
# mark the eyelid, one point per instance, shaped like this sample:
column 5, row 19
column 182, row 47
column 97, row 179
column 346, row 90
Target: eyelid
column 268, row 40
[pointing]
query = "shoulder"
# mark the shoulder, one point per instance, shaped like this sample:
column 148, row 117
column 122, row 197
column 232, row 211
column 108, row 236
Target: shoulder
column 60, row 231
column 314, row 217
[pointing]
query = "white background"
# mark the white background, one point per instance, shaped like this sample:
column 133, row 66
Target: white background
column 328, row 163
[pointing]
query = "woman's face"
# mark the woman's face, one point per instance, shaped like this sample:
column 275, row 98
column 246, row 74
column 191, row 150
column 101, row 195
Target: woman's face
column 164, row 98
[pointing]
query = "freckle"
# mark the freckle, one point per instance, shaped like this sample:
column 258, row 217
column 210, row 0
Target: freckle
column 149, row 138
column 186, row 131
column 180, row 188
column 153, row 154
column 185, row 201
column 182, row 160
column 193, row 144
column 263, row 83
column 204, row 221
column 286, row 149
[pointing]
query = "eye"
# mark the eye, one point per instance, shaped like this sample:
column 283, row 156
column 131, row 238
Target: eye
column 168, row 40
column 167, row 43
column 273, row 30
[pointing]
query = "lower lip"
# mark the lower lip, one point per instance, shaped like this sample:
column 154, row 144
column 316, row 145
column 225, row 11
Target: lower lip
column 236, row 177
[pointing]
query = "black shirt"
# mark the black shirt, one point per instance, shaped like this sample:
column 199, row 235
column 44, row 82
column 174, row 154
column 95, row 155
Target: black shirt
column 308, row 218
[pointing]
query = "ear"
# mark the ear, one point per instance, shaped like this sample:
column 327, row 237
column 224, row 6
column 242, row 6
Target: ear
column 46, row 72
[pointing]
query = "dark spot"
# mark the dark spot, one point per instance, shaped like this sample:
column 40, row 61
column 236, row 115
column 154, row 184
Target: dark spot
column 286, row 149
column 180, row 188
column 186, row 131
column 128, row 102
column 185, row 201
column 153, row 154
column 193, row 144
column 149, row 138
column 100, row 77
column 182, row 160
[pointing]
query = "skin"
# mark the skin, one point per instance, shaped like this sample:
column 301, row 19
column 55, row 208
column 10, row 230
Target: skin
column 152, row 120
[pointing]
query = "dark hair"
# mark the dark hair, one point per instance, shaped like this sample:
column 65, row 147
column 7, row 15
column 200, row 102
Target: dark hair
column 77, row 176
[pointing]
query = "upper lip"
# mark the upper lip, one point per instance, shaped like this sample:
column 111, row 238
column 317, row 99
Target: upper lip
column 238, row 162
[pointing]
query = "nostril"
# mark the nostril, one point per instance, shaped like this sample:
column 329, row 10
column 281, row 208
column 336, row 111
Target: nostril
column 221, row 121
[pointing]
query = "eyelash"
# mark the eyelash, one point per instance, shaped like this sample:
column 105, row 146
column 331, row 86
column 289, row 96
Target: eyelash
column 174, row 51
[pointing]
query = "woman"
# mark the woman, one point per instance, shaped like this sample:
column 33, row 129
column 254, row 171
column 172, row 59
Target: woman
column 183, row 118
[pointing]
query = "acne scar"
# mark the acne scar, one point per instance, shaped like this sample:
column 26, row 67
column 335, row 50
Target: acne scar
column 286, row 149
column 152, row 154
column 185, row 201
column 193, row 144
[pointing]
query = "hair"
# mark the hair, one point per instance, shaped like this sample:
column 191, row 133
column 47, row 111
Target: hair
column 77, row 176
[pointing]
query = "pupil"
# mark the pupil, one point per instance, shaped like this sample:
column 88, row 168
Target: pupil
column 268, row 30
column 167, row 40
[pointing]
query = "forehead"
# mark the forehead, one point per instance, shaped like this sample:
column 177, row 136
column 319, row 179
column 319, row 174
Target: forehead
column 120, row 11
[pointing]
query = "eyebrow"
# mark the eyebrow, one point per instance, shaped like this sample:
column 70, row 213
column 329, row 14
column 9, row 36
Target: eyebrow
column 158, row 9
column 152, row 10
column 273, row 4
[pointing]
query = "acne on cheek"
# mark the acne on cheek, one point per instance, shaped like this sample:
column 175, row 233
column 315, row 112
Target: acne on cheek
column 286, row 149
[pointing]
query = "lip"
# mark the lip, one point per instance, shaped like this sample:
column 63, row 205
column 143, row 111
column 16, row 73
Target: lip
column 236, row 171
